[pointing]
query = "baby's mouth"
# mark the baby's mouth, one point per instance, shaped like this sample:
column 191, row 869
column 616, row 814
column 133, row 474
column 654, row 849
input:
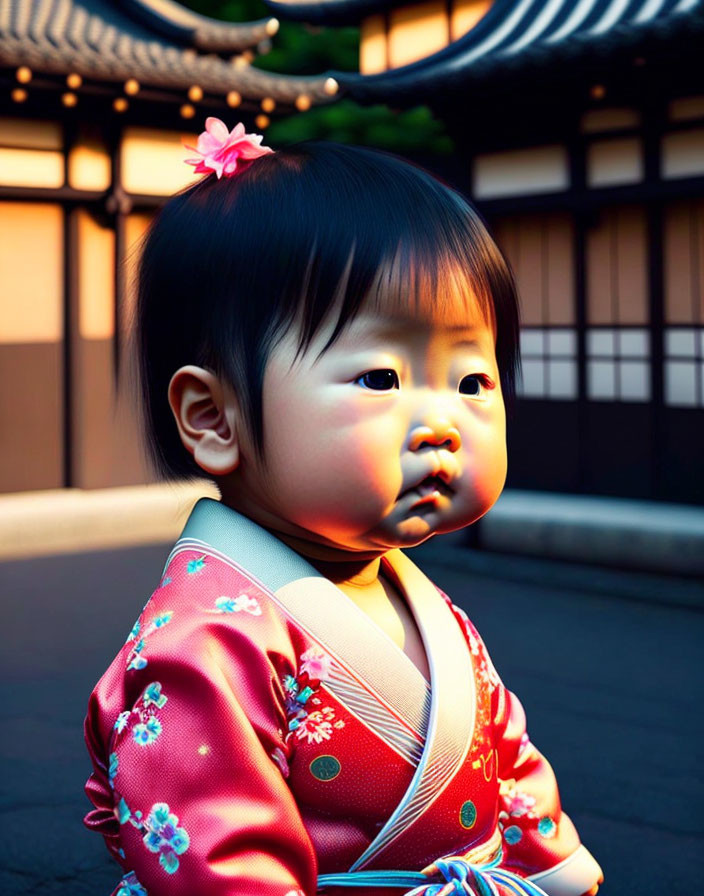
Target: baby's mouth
column 430, row 488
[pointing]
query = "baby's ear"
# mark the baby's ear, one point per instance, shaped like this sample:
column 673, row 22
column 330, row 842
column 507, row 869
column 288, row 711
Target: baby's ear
column 208, row 419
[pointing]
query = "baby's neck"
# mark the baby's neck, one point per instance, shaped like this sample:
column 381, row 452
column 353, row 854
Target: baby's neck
column 359, row 569
column 358, row 572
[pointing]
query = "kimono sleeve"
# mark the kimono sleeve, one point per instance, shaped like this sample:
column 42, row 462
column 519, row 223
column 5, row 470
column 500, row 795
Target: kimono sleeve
column 197, row 765
column 539, row 840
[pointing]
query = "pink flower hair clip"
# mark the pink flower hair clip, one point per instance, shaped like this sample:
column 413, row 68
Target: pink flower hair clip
column 220, row 149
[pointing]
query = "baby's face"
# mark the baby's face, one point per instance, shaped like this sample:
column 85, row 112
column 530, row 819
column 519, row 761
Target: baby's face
column 395, row 433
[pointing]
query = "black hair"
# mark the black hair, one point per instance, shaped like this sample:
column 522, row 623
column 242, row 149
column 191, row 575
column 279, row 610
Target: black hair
column 229, row 264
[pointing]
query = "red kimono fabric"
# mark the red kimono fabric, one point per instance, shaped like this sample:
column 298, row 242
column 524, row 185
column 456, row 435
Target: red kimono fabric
column 258, row 730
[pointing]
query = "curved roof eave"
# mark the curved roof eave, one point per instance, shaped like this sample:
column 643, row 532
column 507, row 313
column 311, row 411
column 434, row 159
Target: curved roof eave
column 177, row 23
column 473, row 60
column 99, row 41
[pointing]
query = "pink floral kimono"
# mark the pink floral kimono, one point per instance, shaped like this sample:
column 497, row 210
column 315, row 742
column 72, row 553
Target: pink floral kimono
column 259, row 735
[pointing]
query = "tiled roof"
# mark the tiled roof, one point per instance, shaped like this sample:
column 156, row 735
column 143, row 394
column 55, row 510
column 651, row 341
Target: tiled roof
column 513, row 34
column 171, row 20
column 157, row 42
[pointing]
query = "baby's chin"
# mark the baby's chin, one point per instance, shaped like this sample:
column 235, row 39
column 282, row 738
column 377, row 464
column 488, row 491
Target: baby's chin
column 398, row 530
column 415, row 529
column 421, row 523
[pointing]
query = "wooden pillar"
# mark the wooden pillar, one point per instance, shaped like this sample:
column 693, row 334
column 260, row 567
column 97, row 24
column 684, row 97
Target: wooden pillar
column 91, row 262
column 654, row 119
column 582, row 220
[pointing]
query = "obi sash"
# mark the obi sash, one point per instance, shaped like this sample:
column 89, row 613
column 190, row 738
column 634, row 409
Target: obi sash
column 429, row 723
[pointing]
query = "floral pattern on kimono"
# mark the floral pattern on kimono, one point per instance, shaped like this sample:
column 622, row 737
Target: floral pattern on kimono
column 308, row 719
column 198, row 739
column 201, row 784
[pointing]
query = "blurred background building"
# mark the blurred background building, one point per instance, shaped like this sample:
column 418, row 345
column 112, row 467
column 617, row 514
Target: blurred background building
column 576, row 126
column 95, row 103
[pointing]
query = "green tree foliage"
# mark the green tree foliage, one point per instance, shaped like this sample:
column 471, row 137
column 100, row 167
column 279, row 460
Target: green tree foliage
column 306, row 50
column 295, row 49
column 414, row 131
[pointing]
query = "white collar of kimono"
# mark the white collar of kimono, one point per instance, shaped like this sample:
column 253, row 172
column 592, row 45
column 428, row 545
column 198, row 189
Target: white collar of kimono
column 432, row 727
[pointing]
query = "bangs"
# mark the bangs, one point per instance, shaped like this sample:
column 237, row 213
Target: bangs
column 401, row 243
column 432, row 287
column 424, row 253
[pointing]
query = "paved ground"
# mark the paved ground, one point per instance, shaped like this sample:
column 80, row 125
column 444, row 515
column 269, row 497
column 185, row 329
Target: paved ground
column 608, row 681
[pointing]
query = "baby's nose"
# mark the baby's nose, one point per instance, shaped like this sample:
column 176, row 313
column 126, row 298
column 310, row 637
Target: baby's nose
column 441, row 434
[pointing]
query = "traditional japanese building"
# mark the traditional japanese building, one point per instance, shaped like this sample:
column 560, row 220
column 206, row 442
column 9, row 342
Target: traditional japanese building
column 579, row 126
column 95, row 100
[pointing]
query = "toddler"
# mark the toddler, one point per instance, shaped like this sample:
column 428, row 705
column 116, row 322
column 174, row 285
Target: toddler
column 329, row 334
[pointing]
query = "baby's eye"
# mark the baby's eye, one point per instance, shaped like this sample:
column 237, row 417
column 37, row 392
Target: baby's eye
column 379, row 380
column 475, row 385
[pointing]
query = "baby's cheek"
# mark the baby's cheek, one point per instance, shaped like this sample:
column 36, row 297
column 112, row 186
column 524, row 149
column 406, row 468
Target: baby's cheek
column 491, row 470
column 364, row 473
column 378, row 465
column 352, row 484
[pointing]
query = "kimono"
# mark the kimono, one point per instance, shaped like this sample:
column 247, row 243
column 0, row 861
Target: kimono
column 259, row 735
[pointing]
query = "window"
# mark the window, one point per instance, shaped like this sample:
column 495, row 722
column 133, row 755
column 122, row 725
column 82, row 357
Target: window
column 684, row 303
column 31, row 153
column 618, row 365
column 152, row 161
column 683, row 154
column 612, row 162
column 89, row 161
column 684, row 366
column 31, row 345
column 617, row 268
column 617, row 338
column 520, row 172
column 540, row 250
column 549, row 359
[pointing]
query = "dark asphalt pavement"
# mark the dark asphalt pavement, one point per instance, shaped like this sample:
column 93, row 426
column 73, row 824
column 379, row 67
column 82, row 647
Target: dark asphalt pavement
column 610, row 684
